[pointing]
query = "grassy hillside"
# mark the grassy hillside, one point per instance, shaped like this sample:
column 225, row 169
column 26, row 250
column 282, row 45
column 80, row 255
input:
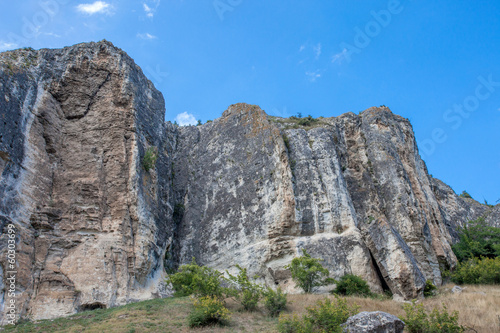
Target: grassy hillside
column 479, row 307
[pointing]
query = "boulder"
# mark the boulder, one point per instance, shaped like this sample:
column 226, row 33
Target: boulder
column 374, row 322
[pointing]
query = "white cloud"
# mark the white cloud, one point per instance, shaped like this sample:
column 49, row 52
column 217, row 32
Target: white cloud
column 97, row 7
column 317, row 50
column 146, row 36
column 148, row 10
column 52, row 34
column 185, row 119
column 313, row 75
column 4, row 46
column 340, row 56
column 302, row 48
column 151, row 9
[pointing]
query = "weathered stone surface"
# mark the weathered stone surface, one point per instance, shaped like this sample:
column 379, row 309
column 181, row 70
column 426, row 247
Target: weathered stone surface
column 457, row 210
column 92, row 225
column 374, row 322
column 95, row 229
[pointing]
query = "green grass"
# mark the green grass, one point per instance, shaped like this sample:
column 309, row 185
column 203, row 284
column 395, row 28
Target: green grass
column 295, row 123
column 479, row 307
column 158, row 315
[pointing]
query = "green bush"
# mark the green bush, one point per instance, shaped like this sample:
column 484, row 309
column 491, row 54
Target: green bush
column 350, row 284
column 429, row 289
column 286, row 140
column 308, row 272
column 208, row 310
column 275, row 301
column 150, row 157
column 477, row 271
column 294, row 324
column 464, row 194
column 477, row 239
column 326, row 316
column 418, row 321
column 307, row 121
column 198, row 280
column 245, row 291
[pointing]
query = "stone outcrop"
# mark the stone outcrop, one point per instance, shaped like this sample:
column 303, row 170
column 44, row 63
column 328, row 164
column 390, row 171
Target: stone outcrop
column 373, row 322
column 96, row 227
column 457, row 210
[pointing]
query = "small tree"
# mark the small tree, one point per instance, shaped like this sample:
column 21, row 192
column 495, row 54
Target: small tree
column 464, row 194
column 245, row 291
column 198, row 280
column 308, row 272
column 477, row 239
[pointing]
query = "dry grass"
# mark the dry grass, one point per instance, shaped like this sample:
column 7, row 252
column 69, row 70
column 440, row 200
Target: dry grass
column 479, row 308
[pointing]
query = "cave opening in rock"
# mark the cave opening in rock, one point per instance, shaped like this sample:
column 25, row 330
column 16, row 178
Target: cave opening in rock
column 92, row 306
column 385, row 286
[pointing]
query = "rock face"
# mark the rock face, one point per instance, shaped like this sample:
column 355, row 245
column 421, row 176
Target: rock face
column 374, row 322
column 95, row 228
column 92, row 225
column 457, row 210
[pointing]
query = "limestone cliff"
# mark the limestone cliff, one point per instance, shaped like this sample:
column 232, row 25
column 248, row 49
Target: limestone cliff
column 94, row 228
column 92, row 225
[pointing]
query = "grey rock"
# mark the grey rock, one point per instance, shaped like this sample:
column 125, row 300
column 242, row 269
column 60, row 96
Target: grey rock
column 374, row 322
column 92, row 225
column 457, row 290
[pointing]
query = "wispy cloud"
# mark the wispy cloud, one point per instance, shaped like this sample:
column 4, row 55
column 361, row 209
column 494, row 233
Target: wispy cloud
column 52, row 34
column 151, row 8
column 98, row 7
column 146, row 36
column 185, row 119
column 4, row 46
column 313, row 75
column 339, row 57
column 310, row 51
column 148, row 10
column 317, row 50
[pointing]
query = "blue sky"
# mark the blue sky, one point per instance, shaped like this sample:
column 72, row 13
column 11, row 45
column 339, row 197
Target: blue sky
column 436, row 63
